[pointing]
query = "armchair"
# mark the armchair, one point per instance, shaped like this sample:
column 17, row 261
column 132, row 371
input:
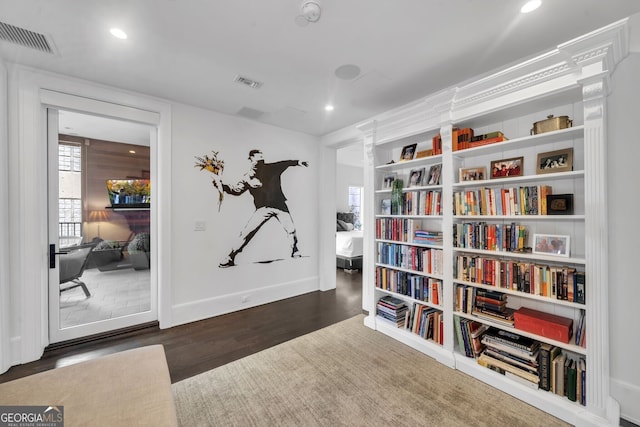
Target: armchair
column 72, row 265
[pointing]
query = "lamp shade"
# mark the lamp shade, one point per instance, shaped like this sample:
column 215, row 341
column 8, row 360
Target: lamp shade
column 98, row 215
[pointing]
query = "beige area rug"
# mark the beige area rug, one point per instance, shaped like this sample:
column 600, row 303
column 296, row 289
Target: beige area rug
column 349, row 375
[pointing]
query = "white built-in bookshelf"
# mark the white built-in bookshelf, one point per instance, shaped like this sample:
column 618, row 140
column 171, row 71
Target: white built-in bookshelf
column 429, row 276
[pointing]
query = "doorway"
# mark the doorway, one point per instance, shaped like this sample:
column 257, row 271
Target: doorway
column 99, row 225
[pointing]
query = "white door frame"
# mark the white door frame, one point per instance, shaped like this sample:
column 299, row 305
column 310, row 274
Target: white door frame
column 30, row 92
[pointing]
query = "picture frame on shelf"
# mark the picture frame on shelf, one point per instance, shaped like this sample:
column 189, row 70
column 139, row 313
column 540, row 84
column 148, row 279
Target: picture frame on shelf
column 408, row 152
column 416, row 176
column 473, row 174
column 385, row 207
column 559, row 204
column 387, row 180
column 507, row 168
column 435, row 172
column 555, row 161
column 551, row 244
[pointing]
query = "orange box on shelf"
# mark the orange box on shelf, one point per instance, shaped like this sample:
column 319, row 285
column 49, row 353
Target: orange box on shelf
column 545, row 324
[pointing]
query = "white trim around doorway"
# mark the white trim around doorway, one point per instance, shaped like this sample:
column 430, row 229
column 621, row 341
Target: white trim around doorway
column 30, row 91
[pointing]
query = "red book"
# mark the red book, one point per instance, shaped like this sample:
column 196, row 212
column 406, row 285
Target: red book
column 545, row 324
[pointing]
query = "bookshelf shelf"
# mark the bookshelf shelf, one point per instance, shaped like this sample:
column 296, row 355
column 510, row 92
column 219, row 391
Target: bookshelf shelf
column 540, row 298
column 575, row 132
column 516, row 180
column 419, row 245
column 407, row 270
column 410, row 300
column 524, row 256
column 567, row 346
column 509, row 101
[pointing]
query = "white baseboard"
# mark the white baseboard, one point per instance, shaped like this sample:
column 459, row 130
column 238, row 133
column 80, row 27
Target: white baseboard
column 628, row 395
column 210, row 307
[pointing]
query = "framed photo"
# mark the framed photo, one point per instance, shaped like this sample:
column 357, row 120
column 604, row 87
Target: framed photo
column 473, row 174
column 415, row 177
column 555, row 161
column 559, row 204
column 434, row 174
column 551, row 244
column 408, row 152
column 507, row 168
column 387, row 181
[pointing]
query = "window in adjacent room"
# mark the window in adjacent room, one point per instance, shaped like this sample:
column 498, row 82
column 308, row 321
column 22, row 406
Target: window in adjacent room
column 355, row 205
column 70, row 190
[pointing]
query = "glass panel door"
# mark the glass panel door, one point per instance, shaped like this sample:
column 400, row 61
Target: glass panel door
column 99, row 209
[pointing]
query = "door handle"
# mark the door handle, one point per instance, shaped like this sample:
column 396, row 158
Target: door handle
column 53, row 253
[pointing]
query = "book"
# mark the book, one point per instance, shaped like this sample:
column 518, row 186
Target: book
column 572, row 381
column 557, row 370
column 544, row 365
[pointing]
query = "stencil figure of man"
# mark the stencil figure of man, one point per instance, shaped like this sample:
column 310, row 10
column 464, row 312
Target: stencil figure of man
column 264, row 184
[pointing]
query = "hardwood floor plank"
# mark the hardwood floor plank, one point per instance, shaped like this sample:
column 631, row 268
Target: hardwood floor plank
column 200, row 346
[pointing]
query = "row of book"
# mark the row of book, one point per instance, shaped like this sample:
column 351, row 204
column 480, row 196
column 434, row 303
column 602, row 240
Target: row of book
column 491, row 237
column 464, row 138
column 416, row 258
column 415, row 286
column 528, row 200
column 490, row 305
column 425, row 322
column 406, row 230
column 556, row 282
column 469, row 333
column 417, row 202
column 562, row 374
column 419, row 319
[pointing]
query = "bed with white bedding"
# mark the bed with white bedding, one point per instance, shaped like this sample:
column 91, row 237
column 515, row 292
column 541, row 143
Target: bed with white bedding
column 349, row 243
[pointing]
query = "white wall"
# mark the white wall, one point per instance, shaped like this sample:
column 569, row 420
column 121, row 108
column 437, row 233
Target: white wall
column 624, row 234
column 347, row 176
column 4, row 225
column 200, row 288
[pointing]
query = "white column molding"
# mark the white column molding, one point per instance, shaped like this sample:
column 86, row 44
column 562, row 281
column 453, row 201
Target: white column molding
column 369, row 209
column 596, row 248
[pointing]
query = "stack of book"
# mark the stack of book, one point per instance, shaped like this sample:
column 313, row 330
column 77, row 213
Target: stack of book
column 512, row 355
column 392, row 309
column 492, row 305
column 428, row 237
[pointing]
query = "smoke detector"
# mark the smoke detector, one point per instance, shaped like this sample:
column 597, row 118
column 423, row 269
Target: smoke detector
column 309, row 12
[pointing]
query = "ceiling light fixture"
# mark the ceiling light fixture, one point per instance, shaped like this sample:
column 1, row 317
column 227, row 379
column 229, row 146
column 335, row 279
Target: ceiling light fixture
column 530, row 6
column 132, row 151
column 117, row 32
column 328, row 107
column 309, row 12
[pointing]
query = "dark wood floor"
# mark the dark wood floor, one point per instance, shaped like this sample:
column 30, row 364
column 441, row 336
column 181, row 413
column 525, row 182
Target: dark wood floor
column 200, row 346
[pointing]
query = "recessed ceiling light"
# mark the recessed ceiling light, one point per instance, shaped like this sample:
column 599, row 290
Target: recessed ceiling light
column 328, row 108
column 347, row 72
column 117, row 32
column 530, row 6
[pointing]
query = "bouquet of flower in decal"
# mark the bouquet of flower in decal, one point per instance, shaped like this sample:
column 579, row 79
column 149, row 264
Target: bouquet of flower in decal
column 215, row 166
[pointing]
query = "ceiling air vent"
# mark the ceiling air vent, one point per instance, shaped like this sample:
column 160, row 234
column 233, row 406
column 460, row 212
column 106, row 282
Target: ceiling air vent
column 247, row 82
column 26, row 38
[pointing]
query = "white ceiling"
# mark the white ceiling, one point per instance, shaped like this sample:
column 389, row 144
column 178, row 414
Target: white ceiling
column 189, row 51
